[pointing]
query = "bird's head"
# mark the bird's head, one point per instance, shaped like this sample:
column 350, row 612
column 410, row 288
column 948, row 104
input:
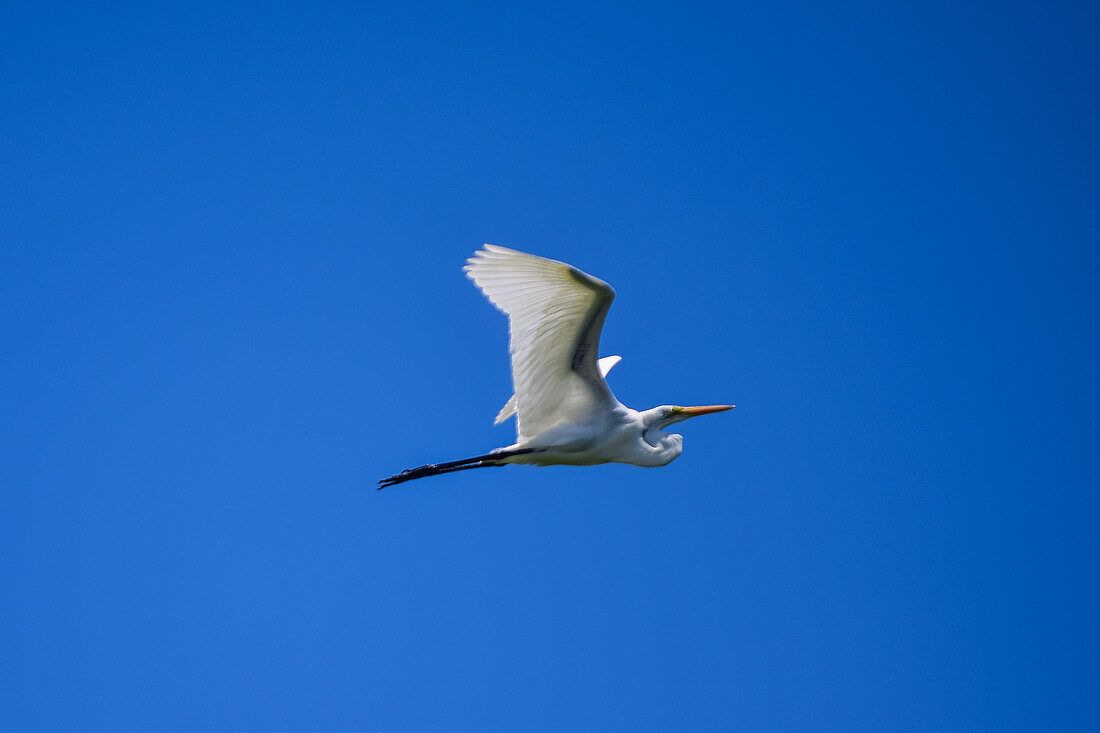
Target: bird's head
column 665, row 415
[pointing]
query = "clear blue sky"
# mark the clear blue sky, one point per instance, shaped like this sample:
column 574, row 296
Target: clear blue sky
column 230, row 247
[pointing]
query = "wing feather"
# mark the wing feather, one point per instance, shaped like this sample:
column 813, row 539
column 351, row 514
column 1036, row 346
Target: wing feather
column 509, row 409
column 555, row 316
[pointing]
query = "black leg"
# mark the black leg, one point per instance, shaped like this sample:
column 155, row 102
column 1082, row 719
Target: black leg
column 434, row 469
column 401, row 478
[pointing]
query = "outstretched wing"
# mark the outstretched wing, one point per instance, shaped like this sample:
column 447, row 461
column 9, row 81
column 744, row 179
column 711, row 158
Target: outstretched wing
column 555, row 315
column 604, row 365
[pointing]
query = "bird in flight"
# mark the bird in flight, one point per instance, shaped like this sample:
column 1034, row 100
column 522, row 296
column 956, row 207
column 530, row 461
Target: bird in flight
column 565, row 412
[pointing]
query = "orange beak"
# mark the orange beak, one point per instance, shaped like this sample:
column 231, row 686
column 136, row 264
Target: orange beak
column 703, row 410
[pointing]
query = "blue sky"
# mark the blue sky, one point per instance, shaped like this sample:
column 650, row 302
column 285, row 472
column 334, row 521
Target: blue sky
column 230, row 244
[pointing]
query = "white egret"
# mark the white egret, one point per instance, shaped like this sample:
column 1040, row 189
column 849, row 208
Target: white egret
column 565, row 412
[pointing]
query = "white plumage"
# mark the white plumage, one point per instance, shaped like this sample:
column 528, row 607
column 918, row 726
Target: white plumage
column 604, row 364
column 565, row 412
column 555, row 315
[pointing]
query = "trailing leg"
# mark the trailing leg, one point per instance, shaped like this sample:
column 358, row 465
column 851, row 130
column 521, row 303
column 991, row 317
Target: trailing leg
column 434, row 469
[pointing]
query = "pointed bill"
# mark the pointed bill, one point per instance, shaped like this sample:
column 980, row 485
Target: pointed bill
column 702, row 410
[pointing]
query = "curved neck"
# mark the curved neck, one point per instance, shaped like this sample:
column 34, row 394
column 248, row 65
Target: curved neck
column 660, row 448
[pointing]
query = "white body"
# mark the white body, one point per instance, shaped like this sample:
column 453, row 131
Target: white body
column 620, row 436
column 565, row 412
